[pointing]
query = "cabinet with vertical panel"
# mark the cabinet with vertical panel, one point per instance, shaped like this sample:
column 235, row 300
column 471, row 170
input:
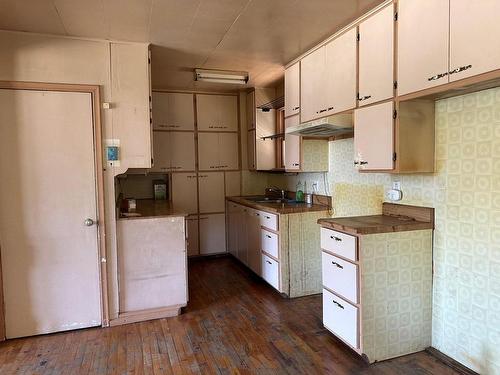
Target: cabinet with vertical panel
column 211, row 192
column 185, row 192
column 173, row 111
column 212, row 234
column 293, row 146
column 217, row 112
column 218, row 151
column 174, row 151
column 292, row 90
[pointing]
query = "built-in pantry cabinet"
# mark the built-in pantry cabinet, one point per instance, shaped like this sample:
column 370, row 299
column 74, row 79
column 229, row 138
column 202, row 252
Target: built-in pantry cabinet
column 174, row 151
column 218, row 151
column 217, row 112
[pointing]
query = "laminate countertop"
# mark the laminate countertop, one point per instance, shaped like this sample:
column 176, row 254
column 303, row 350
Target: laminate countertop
column 394, row 218
column 149, row 208
column 280, row 208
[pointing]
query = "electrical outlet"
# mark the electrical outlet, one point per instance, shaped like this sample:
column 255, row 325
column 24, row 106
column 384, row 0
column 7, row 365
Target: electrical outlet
column 315, row 186
column 396, row 185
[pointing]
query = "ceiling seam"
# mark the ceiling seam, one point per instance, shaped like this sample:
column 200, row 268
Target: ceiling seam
column 227, row 32
column 60, row 18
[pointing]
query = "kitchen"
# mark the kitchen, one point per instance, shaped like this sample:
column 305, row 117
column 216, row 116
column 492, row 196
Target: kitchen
column 355, row 183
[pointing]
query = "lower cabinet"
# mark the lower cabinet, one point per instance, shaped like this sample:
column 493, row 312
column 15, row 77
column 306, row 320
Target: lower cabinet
column 193, row 243
column 277, row 247
column 388, row 276
column 212, row 234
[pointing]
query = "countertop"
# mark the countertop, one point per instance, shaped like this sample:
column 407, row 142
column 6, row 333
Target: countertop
column 149, row 208
column 280, row 208
column 394, row 218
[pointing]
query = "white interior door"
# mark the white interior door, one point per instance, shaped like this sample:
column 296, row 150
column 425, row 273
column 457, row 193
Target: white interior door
column 49, row 256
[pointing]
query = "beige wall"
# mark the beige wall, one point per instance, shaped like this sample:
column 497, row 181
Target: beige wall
column 41, row 58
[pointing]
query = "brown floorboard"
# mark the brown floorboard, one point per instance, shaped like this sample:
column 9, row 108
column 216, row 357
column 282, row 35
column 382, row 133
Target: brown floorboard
column 235, row 324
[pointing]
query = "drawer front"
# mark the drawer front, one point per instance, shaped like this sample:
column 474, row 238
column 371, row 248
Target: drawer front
column 270, row 271
column 340, row 276
column 341, row 318
column 269, row 220
column 339, row 243
column 269, row 243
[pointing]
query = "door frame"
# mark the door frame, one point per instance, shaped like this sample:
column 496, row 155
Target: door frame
column 94, row 91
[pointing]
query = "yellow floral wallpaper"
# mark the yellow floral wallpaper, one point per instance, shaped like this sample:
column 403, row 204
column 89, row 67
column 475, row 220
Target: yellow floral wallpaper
column 465, row 191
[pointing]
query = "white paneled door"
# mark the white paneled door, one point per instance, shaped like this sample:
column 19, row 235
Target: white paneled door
column 48, row 235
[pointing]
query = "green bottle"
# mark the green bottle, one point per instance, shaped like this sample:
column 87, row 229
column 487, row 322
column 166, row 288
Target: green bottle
column 299, row 194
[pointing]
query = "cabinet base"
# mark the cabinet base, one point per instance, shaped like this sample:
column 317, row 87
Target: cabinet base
column 143, row 315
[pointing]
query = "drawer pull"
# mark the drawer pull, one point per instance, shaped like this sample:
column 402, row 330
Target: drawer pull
column 337, row 265
column 437, row 76
column 257, row 214
column 336, row 238
column 296, row 108
column 338, row 304
column 268, row 262
column 268, row 236
column 267, row 217
column 461, row 69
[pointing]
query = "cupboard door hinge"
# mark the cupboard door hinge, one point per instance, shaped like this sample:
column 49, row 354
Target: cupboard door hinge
column 395, row 85
column 358, row 37
column 396, row 16
column 394, row 157
column 395, row 114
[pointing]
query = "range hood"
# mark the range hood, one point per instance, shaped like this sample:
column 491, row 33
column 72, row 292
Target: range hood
column 330, row 126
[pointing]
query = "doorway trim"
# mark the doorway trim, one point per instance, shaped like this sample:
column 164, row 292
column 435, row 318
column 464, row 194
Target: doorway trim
column 94, row 91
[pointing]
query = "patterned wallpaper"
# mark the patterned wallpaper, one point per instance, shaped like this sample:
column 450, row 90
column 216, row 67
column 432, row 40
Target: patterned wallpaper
column 465, row 191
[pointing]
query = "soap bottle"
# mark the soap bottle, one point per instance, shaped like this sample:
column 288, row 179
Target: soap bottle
column 299, row 194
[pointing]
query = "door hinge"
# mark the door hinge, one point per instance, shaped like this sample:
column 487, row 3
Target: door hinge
column 358, row 37
column 395, row 85
column 396, row 16
column 395, row 114
column 394, row 157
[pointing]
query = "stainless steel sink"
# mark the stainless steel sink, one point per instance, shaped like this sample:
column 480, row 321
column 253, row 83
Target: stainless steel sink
column 264, row 199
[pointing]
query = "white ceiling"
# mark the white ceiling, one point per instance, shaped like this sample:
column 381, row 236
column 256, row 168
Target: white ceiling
column 258, row 36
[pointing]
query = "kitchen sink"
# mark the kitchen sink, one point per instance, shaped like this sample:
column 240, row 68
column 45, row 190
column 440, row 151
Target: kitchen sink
column 264, row 199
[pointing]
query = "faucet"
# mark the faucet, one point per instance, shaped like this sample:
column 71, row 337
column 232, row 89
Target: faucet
column 278, row 190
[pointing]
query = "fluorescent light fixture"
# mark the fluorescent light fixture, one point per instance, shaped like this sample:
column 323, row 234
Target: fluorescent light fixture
column 221, row 76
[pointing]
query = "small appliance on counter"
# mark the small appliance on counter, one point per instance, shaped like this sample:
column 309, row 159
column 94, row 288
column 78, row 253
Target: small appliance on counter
column 160, row 190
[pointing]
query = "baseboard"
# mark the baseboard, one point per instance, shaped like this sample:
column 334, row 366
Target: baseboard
column 450, row 362
column 143, row 315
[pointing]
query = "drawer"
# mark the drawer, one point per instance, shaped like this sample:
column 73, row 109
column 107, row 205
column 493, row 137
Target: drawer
column 340, row 276
column 269, row 243
column 270, row 271
column 268, row 220
column 339, row 243
column 341, row 318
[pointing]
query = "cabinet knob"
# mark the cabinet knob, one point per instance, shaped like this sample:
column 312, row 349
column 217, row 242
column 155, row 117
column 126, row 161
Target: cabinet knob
column 268, row 236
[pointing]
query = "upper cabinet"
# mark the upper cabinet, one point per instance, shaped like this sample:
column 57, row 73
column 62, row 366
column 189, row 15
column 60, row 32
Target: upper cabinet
column 131, row 92
column 173, row 111
column 474, row 30
column 217, row 112
column 376, row 57
column 328, row 78
column 292, row 90
column 218, row 151
column 174, row 151
column 422, row 50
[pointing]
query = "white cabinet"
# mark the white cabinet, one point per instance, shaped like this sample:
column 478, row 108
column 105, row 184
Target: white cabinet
column 218, row 151
column 211, row 192
column 340, row 277
column 374, row 123
column 474, row 30
column 340, row 74
column 422, row 48
column 185, row 192
column 251, row 144
column 265, row 149
column 269, row 243
column 312, row 84
column 173, row 111
column 292, row 90
column 233, row 217
column 174, row 151
column 193, row 243
column 131, row 90
column 217, row 112
column 212, row 234
column 243, row 218
column 293, row 146
column 253, row 241
column 341, row 318
column 250, row 110
column 270, row 271
column 376, row 57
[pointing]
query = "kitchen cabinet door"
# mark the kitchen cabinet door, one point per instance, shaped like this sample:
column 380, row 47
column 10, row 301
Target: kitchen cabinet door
column 374, row 137
column 228, row 112
column 265, row 148
column 376, row 57
column 232, row 217
column 312, row 85
column 253, row 240
column 185, row 192
column 292, row 152
column 251, row 140
column 243, row 218
column 233, row 183
column 182, row 151
column 228, row 151
column 474, row 30
column 162, row 154
column 208, row 151
column 212, row 234
column 292, row 90
column 211, row 188
column 340, row 74
column 193, row 242
column 422, row 48
column 250, row 103
column 173, row 111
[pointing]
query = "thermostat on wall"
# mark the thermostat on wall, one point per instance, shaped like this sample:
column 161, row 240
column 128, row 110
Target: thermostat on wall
column 112, row 152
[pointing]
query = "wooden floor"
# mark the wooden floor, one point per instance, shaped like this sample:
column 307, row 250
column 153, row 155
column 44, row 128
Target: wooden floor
column 235, row 324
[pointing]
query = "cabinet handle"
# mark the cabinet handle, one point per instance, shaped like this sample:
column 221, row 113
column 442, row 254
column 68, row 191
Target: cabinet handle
column 323, row 110
column 338, row 304
column 363, row 162
column 296, row 108
column 267, row 217
column 268, row 262
column 330, row 108
column 337, row 265
column 364, row 97
column 461, row 69
column 437, row 76
column 336, row 238
column 268, row 236
column 295, row 164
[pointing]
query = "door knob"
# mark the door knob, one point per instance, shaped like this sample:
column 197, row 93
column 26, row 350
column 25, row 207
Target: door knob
column 88, row 222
